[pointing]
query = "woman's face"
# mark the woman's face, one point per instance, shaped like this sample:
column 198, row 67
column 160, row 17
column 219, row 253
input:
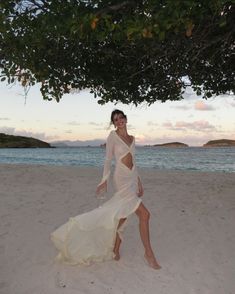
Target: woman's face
column 119, row 121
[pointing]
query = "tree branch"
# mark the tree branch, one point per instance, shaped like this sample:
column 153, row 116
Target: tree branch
column 114, row 7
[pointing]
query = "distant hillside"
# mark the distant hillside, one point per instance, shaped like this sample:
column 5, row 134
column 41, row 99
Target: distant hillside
column 77, row 143
column 10, row 141
column 170, row 144
column 220, row 143
column 59, row 144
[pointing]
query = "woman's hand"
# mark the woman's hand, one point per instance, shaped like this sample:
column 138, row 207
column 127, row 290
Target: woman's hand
column 140, row 188
column 101, row 188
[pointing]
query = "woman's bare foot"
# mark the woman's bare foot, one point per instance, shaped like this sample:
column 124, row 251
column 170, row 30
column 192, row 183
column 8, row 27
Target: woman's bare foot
column 151, row 260
column 117, row 247
column 117, row 256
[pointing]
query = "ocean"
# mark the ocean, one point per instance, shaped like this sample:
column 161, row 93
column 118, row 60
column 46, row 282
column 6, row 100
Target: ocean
column 161, row 158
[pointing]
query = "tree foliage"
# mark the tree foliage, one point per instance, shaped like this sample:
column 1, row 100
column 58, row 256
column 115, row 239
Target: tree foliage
column 128, row 51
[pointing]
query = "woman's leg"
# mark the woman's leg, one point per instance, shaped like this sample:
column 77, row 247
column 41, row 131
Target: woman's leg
column 118, row 241
column 144, row 216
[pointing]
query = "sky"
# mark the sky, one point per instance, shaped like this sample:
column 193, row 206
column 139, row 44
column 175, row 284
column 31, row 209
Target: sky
column 78, row 116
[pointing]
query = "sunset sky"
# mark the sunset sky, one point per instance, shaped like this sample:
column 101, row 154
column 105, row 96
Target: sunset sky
column 78, row 116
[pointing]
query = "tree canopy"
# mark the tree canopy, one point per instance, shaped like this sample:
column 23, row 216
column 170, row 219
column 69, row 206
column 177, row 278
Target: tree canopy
column 127, row 51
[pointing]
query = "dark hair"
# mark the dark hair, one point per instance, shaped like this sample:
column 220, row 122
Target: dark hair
column 114, row 112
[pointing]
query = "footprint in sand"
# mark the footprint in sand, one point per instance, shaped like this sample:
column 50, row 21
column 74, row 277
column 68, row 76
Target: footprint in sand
column 58, row 281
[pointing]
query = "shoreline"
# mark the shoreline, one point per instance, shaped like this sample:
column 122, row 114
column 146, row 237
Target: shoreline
column 100, row 168
column 192, row 232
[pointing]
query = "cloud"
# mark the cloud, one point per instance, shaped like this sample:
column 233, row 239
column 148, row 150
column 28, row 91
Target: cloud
column 40, row 136
column 200, row 125
column 7, row 130
column 182, row 107
column 76, row 143
column 167, row 125
column 99, row 126
column 74, row 123
column 232, row 104
column 142, row 138
column 95, row 124
column 4, row 118
column 24, row 133
column 130, row 127
column 151, row 123
column 99, row 129
column 201, row 105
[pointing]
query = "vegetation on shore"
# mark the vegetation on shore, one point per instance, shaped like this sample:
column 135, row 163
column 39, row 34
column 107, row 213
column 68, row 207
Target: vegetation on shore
column 10, row 141
column 212, row 143
column 171, row 144
column 220, row 143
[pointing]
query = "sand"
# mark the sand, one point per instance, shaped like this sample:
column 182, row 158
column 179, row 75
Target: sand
column 192, row 232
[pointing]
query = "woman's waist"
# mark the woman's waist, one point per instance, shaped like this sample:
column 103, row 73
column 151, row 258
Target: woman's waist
column 120, row 166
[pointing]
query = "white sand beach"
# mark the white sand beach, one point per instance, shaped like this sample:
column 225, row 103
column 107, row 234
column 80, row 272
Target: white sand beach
column 192, row 232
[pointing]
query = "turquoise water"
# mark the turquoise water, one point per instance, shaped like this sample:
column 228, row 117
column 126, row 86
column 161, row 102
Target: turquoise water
column 191, row 158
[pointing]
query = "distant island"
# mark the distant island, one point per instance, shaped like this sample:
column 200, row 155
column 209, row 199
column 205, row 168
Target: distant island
column 170, row 144
column 10, row 141
column 220, row 143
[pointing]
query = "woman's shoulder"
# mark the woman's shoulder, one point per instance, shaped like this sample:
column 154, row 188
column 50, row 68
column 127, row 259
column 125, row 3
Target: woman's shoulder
column 111, row 135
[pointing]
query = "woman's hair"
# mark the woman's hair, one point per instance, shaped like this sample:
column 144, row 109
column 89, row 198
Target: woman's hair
column 114, row 112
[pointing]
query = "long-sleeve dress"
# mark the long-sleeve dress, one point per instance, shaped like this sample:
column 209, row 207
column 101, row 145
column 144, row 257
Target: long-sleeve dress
column 90, row 237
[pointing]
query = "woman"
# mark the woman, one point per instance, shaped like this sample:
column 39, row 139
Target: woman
column 96, row 235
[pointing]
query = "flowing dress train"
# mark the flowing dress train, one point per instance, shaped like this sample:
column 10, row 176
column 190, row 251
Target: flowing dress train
column 90, row 237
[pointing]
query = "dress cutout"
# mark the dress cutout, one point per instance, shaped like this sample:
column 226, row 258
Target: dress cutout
column 90, row 237
column 126, row 157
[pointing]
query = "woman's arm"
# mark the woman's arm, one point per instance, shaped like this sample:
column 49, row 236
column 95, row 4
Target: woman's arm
column 107, row 164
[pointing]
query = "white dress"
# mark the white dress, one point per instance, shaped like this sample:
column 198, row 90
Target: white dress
column 90, row 237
